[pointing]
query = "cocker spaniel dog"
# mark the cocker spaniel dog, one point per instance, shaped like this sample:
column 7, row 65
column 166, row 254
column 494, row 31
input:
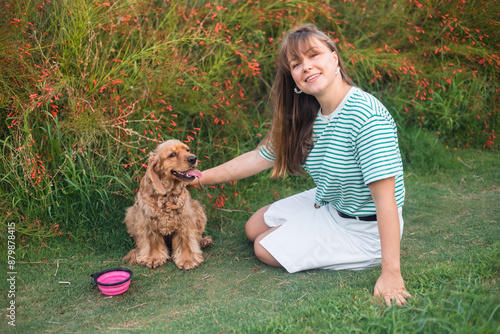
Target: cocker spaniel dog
column 163, row 207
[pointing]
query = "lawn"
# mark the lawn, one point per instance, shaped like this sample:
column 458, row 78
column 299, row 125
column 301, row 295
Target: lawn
column 450, row 252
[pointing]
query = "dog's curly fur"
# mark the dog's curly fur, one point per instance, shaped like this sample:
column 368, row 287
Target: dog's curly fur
column 164, row 207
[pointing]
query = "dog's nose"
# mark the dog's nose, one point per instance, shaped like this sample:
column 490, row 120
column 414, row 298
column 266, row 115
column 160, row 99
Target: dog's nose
column 192, row 159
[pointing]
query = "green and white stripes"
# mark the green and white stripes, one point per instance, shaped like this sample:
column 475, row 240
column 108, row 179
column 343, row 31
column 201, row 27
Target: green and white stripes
column 353, row 147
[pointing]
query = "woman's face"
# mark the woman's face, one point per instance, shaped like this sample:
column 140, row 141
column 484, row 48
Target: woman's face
column 314, row 67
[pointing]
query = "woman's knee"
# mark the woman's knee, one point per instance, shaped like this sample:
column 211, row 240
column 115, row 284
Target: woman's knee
column 262, row 254
column 256, row 224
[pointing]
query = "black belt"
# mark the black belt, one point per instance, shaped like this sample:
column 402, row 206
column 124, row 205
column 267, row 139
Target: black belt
column 371, row 218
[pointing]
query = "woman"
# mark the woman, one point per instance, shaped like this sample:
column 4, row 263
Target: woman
column 347, row 141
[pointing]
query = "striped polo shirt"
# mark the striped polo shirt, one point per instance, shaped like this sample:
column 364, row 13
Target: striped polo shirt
column 355, row 145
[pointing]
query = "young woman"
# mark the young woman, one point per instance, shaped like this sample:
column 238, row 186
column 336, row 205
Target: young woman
column 347, row 141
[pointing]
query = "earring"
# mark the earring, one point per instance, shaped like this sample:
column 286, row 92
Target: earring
column 338, row 70
column 297, row 91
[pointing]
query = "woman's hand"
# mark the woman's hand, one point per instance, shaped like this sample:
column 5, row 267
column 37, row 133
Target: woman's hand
column 196, row 183
column 390, row 286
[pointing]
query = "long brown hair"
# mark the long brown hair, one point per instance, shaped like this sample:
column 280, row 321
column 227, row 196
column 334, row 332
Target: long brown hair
column 290, row 137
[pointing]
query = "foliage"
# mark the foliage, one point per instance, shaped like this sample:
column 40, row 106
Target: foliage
column 89, row 87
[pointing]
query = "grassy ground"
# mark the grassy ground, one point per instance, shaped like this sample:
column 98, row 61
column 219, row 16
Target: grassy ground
column 450, row 252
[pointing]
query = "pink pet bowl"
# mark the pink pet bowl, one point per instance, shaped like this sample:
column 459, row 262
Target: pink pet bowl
column 113, row 281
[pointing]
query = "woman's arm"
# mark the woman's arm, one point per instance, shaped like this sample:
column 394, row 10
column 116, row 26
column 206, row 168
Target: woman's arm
column 390, row 284
column 243, row 166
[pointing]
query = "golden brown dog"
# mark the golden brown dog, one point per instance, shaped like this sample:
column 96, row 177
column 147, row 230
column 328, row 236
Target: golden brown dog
column 163, row 207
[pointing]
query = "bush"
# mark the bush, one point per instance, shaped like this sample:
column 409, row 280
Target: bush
column 88, row 88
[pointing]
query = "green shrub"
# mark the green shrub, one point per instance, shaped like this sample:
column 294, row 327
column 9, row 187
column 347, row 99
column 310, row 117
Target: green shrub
column 89, row 87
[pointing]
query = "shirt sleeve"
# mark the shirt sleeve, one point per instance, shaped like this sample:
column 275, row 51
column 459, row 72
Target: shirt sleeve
column 266, row 153
column 377, row 151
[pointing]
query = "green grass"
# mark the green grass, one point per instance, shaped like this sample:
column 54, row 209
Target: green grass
column 450, row 252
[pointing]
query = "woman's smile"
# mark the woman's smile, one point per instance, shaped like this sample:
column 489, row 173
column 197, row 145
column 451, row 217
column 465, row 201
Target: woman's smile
column 312, row 77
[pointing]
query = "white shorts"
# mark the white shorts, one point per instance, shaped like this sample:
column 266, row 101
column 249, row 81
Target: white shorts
column 310, row 238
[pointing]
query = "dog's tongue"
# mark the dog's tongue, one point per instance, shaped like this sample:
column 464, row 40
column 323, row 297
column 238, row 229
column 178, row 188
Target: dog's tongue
column 193, row 172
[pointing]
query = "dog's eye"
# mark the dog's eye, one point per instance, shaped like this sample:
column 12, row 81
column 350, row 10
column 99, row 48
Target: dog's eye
column 172, row 155
column 188, row 150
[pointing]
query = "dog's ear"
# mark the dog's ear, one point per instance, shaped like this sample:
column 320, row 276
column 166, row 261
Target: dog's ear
column 153, row 176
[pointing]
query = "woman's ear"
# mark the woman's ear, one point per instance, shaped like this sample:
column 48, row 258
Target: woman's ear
column 335, row 57
column 153, row 176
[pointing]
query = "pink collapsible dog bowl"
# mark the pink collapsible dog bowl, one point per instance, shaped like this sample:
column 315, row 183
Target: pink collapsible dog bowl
column 113, row 281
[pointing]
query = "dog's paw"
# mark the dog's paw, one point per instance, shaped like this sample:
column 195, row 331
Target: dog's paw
column 206, row 242
column 188, row 261
column 188, row 264
column 154, row 262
